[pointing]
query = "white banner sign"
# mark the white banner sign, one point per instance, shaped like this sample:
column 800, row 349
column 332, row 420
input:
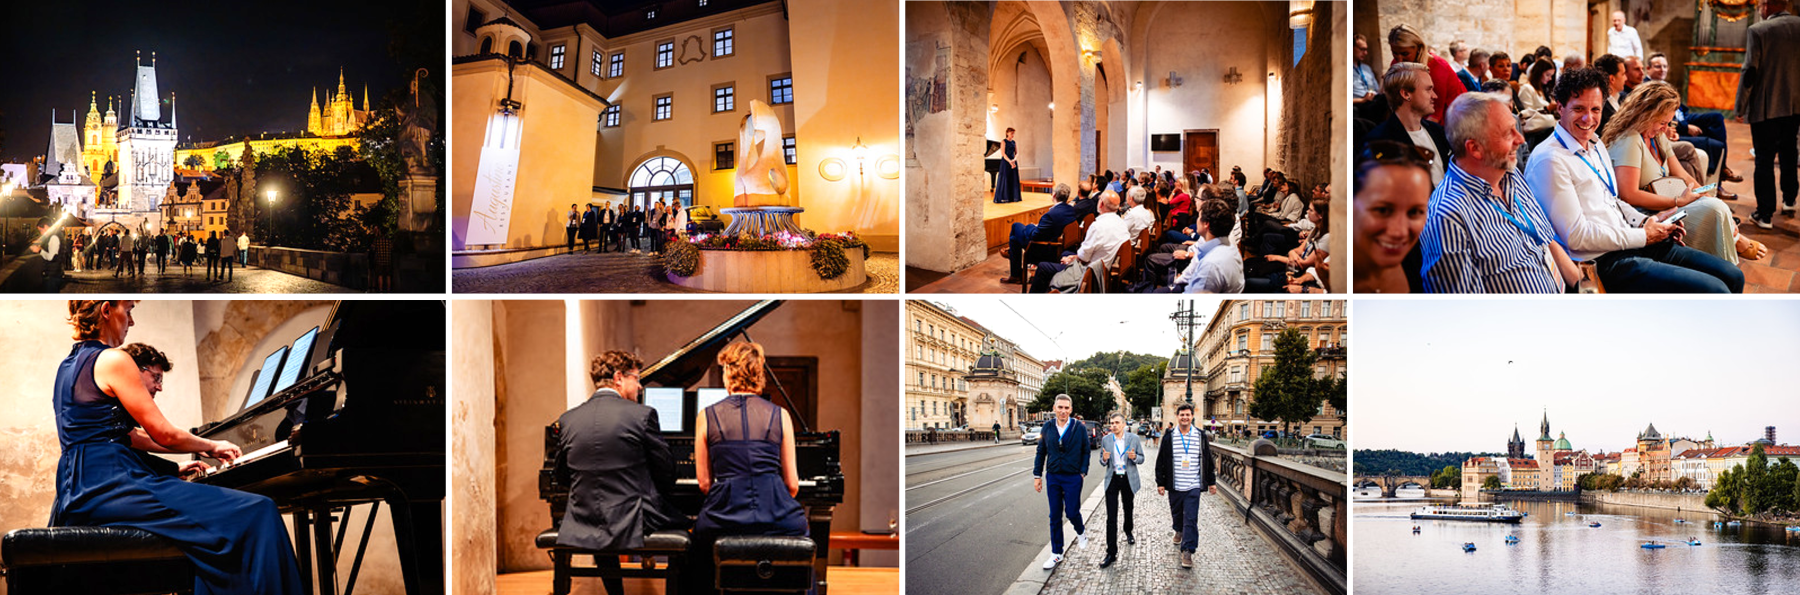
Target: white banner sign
column 491, row 213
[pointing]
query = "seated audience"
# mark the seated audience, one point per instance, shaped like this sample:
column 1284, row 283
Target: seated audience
column 1484, row 233
column 1299, row 266
column 1137, row 217
column 1408, row 46
column 1500, row 67
column 1391, row 193
column 1214, row 265
column 1099, row 245
column 1572, row 177
column 1637, row 140
column 1049, row 228
column 1705, row 131
column 1614, row 69
column 1411, row 92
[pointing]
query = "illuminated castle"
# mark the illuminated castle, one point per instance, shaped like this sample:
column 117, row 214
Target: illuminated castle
column 101, row 136
column 340, row 116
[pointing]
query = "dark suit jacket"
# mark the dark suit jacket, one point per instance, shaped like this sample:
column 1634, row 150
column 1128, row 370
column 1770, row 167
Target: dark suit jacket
column 619, row 467
column 1769, row 86
column 1085, row 207
column 1165, row 461
column 1392, row 129
column 1062, row 453
column 1050, row 226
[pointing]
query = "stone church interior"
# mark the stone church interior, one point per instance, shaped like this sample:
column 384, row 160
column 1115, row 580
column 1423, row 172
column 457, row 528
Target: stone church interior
column 832, row 365
column 1095, row 86
column 337, row 407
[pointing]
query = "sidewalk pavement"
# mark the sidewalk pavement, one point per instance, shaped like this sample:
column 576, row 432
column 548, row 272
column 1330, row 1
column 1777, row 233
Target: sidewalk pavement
column 1232, row 557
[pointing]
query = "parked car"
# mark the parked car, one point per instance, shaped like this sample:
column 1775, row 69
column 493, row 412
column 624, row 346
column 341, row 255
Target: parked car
column 703, row 219
column 1271, row 434
column 1324, row 441
column 1030, row 436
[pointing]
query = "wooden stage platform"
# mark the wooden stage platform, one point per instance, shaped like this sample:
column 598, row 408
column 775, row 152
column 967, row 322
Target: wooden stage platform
column 997, row 220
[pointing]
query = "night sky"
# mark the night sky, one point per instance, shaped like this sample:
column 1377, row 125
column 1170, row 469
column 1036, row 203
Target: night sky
column 237, row 68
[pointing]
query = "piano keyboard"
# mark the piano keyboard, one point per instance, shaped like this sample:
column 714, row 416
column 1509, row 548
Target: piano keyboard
column 805, row 483
column 272, row 448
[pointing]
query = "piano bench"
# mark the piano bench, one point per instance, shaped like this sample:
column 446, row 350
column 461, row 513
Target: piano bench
column 672, row 544
column 764, row 563
column 97, row 560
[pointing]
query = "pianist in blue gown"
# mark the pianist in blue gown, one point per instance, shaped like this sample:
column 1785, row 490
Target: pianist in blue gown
column 106, row 417
column 1006, row 184
column 745, row 464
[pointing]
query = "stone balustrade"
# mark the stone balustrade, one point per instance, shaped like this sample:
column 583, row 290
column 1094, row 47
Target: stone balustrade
column 1301, row 508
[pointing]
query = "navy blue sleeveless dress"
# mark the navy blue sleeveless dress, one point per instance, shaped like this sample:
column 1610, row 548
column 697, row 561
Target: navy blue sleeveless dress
column 749, row 495
column 236, row 540
column 1006, row 183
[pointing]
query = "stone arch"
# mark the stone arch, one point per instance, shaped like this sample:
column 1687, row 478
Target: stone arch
column 232, row 348
column 660, row 151
column 1071, row 77
column 487, row 45
column 514, row 50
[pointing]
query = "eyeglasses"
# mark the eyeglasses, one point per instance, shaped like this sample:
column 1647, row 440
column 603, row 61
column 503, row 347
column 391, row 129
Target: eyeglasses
column 1393, row 152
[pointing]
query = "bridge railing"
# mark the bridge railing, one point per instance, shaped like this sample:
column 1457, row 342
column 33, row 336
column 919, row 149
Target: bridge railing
column 1303, row 509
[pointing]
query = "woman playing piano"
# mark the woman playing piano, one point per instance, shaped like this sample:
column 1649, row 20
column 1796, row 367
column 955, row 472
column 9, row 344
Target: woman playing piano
column 745, row 463
column 105, row 415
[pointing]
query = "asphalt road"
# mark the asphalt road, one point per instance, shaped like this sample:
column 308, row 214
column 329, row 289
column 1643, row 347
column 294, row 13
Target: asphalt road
column 973, row 521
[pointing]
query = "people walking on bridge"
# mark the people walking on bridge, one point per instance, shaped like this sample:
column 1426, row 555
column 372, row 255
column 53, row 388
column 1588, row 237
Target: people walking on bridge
column 1062, row 463
column 1121, row 451
column 1183, row 471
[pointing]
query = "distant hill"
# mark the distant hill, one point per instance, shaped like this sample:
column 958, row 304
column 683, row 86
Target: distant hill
column 1377, row 462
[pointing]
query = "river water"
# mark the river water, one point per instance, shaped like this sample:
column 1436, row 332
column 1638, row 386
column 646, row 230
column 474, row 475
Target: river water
column 1560, row 554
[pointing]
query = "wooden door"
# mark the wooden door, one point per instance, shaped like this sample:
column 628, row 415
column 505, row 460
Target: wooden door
column 1200, row 149
column 799, row 376
column 1099, row 151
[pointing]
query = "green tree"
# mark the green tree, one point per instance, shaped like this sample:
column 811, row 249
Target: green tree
column 1491, row 483
column 1287, row 392
column 1780, row 488
column 1086, row 388
column 1143, row 388
column 1727, row 493
column 1449, row 477
column 193, row 162
column 1338, row 394
column 1757, row 495
column 222, row 159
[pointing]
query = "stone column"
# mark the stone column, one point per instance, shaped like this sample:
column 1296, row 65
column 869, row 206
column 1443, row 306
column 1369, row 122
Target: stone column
column 946, row 113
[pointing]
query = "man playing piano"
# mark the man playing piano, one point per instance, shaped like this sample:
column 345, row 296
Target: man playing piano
column 105, row 417
column 619, row 466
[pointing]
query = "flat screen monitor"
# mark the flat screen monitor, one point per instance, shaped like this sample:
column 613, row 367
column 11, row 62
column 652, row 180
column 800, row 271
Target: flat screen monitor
column 298, row 354
column 667, row 403
column 266, row 376
column 1165, row 142
column 708, row 396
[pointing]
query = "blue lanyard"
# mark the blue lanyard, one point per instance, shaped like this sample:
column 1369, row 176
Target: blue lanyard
column 1531, row 229
column 1611, row 186
column 1184, row 443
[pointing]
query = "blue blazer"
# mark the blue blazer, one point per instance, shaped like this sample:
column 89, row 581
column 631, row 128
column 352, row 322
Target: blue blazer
column 1062, row 454
column 1050, row 226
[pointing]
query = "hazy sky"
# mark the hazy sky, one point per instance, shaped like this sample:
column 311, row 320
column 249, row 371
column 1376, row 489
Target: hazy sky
column 1077, row 326
column 1456, row 375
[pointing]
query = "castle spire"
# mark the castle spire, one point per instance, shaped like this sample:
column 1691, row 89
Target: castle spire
column 341, row 91
column 172, row 121
column 365, row 97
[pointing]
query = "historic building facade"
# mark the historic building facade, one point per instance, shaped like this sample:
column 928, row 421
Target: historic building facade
column 1237, row 343
column 940, row 347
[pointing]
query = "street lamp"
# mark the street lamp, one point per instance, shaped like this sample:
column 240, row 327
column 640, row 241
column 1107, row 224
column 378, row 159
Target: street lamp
column 272, row 194
column 6, row 191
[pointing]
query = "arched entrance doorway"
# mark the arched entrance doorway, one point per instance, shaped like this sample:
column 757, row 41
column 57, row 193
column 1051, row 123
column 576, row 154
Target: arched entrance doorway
column 661, row 178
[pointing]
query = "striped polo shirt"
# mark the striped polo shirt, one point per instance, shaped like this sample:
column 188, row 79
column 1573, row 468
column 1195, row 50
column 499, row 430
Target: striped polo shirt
column 1186, row 459
column 1474, row 243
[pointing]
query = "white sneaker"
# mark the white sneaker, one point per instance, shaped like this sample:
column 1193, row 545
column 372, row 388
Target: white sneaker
column 1080, row 540
column 1052, row 562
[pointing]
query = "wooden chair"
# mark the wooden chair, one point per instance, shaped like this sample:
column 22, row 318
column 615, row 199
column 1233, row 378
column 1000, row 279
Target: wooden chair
column 1124, row 270
column 1072, row 234
column 1590, row 278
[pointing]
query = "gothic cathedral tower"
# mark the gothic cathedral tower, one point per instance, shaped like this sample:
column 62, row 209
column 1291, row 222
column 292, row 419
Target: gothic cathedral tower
column 313, row 125
column 1545, row 442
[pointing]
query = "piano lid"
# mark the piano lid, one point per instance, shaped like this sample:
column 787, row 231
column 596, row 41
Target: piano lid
column 686, row 365
column 993, row 145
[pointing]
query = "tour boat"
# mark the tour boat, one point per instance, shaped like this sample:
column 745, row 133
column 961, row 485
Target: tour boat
column 1653, row 546
column 1468, row 547
column 1596, row 525
column 1490, row 513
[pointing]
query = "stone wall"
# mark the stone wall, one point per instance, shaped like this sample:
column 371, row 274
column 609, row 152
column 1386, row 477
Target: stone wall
column 946, row 110
column 348, row 269
column 471, row 499
column 1307, row 115
column 1668, row 501
column 1216, row 37
column 1513, row 26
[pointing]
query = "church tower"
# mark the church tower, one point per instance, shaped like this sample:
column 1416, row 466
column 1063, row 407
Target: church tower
column 93, row 151
column 146, row 150
column 1544, row 441
column 340, row 108
column 1515, row 448
column 312, row 116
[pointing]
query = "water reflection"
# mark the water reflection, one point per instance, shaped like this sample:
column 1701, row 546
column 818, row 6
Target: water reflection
column 1559, row 553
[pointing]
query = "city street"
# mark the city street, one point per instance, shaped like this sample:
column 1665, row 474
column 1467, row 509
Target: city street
column 244, row 280
column 966, row 537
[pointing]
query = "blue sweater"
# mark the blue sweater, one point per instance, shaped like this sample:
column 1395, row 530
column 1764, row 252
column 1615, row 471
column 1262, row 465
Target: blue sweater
column 1063, row 453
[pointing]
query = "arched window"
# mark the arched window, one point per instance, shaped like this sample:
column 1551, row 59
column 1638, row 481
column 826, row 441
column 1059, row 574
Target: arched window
column 662, row 178
column 487, row 45
column 515, row 50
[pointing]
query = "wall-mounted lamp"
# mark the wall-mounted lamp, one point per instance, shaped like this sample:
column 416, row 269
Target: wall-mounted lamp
column 1300, row 13
column 1139, row 86
column 861, row 152
column 994, row 108
column 1091, row 55
column 1233, row 77
column 1053, row 105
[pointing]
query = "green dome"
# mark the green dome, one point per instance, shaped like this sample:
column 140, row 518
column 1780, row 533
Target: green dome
column 1562, row 442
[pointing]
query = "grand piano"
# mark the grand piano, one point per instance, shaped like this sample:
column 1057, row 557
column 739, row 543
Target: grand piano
column 993, row 163
column 351, row 413
column 815, row 453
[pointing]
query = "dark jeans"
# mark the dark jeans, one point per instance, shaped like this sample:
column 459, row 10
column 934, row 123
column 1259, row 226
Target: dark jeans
column 1046, row 271
column 1118, row 488
column 571, row 234
column 1711, row 125
column 1064, row 491
column 162, row 260
column 1016, row 242
column 225, row 266
column 1774, row 138
column 1666, row 267
column 1185, row 507
column 1714, row 148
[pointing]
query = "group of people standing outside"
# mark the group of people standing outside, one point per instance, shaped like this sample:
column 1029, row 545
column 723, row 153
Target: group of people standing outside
column 620, row 225
column 128, row 254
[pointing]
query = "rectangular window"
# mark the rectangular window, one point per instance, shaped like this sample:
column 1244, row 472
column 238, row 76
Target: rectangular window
column 1243, row 341
column 665, row 108
column 474, row 20
column 724, row 98
column 724, row 44
column 1281, row 309
column 665, row 54
column 1306, row 309
column 725, row 157
column 1244, row 311
column 781, row 90
column 787, row 149
column 610, row 117
column 556, row 56
column 615, row 66
column 594, row 67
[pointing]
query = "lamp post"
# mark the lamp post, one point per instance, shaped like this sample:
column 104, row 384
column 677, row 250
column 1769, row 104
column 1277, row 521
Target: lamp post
column 6, row 191
column 272, row 194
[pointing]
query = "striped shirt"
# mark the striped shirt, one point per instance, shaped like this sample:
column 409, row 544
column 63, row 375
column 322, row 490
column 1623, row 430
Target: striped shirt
column 1474, row 243
column 1186, row 462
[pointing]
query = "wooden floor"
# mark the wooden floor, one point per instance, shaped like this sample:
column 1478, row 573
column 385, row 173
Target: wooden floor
column 844, row 580
column 1031, row 201
column 985, row 276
